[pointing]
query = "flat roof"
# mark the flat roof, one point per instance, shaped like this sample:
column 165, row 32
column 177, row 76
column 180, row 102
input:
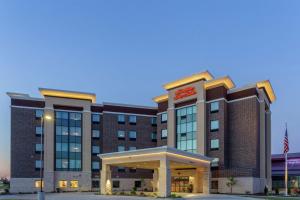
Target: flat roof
column 68, row 94
column 195, row 77
column 156, row 150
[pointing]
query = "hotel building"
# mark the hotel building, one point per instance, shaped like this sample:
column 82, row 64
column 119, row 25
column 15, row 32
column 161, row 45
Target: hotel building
column 202, row 131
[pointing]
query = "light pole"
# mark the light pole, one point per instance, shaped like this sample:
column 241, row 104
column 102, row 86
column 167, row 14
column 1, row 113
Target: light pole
column 41, row 195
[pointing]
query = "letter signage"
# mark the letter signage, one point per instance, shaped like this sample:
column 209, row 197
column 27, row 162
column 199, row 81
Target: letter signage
column 185, row 92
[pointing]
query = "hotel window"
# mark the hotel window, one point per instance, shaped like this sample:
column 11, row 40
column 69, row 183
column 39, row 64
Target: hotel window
column 215, row 162
column 95, row 150
column 68, row 140
column 214, row 125
column 137, row 184
column 121, row 148
column 121, row 135
column 95, row 184
column 39, row 113
column 164, row 117
column 132, row 119
column 132, row 170
column 37, row 184
column 132, row 135
column 121, row 119
column 96, row 118
column 116, row 184
column 186, row 128
column 38, row 164
column 164, row 133
column 154, row 137
column 38, row 130
column 121, row 169
column 154, row 121
column 74, row 184
column 95, row 165
column 63, row 184
column 214, row 144
column 132, row 148
column 95, row 133
column 214, row 107
column 38, row 147
column 214, row 185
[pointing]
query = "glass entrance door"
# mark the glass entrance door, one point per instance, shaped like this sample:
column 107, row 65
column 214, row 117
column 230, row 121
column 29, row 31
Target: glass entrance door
column 180, row 184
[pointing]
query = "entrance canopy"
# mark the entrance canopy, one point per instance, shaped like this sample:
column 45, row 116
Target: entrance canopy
column 162, row 160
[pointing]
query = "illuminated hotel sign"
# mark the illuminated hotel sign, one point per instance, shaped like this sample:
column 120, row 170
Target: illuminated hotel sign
column 185, row 92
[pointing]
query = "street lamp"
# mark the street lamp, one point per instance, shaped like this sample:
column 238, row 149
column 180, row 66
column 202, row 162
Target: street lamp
column 41, row 195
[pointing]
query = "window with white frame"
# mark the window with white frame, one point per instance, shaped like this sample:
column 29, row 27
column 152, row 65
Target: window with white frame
column 132, row 119
column 164, row 133
column 95, row 118
column 95, row 165
column 95, row 133
column 121, row 119
column 121, row 148
column 38, row 147
column 38, row 164
column 214, row 125
column 95, row 149
column 164, row 117
column 214, row 107
column 121, row 134
column 214, row 144
column 132, row 135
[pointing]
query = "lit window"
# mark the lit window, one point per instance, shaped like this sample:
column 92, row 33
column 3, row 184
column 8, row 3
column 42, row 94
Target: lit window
column 95, row 133
column 37, row 184
column 95, row 165
column 63, row 184
column 214, row 144
column 214, row 107
column 95, row 118
column 38, row 164
column 164, row 133
column 132, row 135
column 164, row 117
column 153, row 120
column 121, row 134
column 38, row 147
column 74, row 184
column 214, row 125
column 132, row 148
column 38, row 130
column 39, row 113
column 96, row 149
column 132, row 119
column 121, row 148
column 121, row 119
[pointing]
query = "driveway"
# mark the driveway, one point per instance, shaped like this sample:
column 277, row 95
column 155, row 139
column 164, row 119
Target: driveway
column 92, row 196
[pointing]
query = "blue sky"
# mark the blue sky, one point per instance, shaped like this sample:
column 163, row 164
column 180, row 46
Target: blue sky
column 125, row 50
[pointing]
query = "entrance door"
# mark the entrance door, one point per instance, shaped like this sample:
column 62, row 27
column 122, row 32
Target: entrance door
column 180, row 184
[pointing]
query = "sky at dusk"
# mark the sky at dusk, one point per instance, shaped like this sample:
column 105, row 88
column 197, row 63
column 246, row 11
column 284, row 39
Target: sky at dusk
column 124, row 51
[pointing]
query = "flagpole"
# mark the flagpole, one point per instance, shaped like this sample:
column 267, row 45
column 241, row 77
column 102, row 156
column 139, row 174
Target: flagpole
column 286, row 175
column 286, row 167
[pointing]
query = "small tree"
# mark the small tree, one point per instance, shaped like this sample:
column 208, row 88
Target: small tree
column 231, row 182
